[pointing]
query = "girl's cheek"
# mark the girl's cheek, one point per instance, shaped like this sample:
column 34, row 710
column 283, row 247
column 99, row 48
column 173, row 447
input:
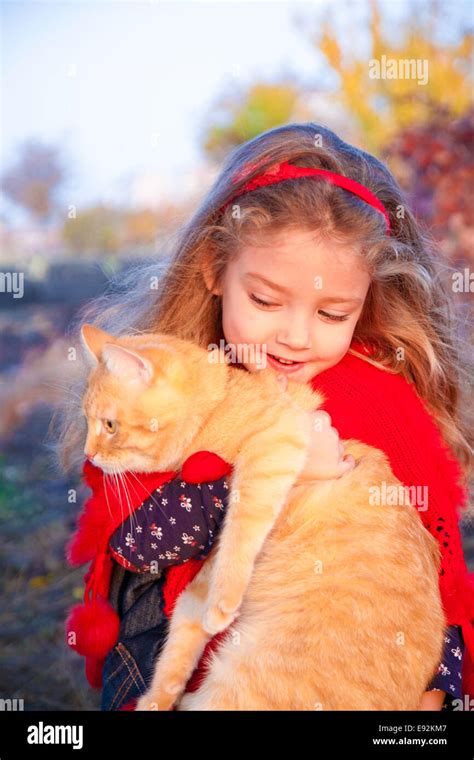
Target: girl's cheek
column 245, row 331
column 243, row 324
column 332, row 343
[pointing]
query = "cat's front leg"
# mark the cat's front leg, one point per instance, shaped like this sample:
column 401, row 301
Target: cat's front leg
column 184, row 645
column 262, row 479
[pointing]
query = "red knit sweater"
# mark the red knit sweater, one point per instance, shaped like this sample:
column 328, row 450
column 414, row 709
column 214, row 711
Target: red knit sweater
column 383, row 410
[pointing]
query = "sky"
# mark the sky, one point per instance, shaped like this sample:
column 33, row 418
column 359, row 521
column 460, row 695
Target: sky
column 126, row 88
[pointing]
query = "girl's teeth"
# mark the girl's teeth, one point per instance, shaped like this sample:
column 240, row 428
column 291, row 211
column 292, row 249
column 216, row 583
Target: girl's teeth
column 283, row 361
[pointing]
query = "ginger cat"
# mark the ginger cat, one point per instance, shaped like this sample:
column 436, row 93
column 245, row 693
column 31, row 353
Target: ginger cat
column 333, row 603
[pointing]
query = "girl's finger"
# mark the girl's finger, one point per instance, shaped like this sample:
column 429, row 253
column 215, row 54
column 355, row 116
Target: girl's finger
column 321, row 420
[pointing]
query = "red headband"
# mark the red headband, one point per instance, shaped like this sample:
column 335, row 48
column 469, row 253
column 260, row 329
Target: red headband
column 284, row 170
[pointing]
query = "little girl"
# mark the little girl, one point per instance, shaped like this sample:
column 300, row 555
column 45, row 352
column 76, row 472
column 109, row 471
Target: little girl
column 306, row 252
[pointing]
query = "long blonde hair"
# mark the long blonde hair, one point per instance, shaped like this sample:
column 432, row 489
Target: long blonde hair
column 408, row 313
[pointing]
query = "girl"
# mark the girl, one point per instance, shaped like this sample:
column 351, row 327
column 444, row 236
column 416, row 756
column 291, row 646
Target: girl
column 331, row 275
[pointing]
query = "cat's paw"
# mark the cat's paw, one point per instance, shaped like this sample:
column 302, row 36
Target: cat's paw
column 159, row 700
column 218, row 617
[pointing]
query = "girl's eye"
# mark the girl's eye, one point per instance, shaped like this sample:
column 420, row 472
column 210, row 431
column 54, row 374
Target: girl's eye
column 110, row 426
column 335, row 317
column 260, row 302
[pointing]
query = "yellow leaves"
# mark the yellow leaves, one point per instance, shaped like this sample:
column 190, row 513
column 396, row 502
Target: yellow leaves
column 263, row 107
column 375, row 33
column 466, row 47
column 330, row 47
column 428, row 77
column 379, row 106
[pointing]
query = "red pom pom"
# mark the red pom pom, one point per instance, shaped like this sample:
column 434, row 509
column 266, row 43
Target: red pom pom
column 203, row 467
column 92, row 629
column 94, row 667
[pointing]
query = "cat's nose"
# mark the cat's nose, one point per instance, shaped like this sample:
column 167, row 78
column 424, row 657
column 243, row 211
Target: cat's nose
column 89, row 454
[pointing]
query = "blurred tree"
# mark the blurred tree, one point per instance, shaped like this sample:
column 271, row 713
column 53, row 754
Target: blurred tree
column 33, row 181
column 433, row 163
column 97, row 229
column 381, row 90
column 382, row 105
column 264, row 106
column 140, row 227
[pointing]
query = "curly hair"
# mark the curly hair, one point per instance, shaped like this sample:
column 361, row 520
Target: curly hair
column 408, row 314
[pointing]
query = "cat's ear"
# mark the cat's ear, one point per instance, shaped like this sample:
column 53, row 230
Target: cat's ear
column 93, row 340
column 126, row 364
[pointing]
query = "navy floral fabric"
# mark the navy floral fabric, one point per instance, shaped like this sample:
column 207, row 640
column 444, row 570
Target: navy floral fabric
column 448, row 677
column 178, row 521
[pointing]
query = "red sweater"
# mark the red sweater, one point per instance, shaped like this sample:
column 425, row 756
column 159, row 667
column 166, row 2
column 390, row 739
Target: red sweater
column 383, row 410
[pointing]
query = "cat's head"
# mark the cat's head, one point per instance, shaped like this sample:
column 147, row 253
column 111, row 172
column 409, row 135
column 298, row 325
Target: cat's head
column 146, row 397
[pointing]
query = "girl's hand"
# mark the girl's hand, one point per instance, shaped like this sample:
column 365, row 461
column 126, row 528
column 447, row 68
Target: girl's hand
column 432, row 700
column 326, row 459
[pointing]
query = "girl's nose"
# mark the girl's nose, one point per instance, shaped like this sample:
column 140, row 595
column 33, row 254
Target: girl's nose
column 296, row 338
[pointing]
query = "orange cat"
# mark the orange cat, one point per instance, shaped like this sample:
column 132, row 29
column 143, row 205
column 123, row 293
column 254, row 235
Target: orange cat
column 333, row 603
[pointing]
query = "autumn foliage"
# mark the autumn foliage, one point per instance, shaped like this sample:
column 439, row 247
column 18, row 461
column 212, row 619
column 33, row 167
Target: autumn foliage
column 433, row 163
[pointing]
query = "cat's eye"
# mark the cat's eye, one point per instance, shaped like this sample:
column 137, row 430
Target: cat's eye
column 110, row 426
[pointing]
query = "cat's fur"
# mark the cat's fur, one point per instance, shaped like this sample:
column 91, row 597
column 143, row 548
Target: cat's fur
column 333, row 603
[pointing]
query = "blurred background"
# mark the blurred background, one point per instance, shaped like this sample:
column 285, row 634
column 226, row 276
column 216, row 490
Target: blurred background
column 115, row 117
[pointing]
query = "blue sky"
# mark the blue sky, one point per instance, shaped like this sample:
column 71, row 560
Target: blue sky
column 126, row 87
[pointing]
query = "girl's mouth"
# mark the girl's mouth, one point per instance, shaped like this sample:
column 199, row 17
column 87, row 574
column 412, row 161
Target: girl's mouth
column 283, row 364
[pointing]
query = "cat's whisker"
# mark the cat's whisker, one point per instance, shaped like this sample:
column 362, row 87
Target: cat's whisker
column 124, row 476
column 129, row 511
column 104, row 478
column 160, row 507
column 64, row 389
column 129, row 472
column 118, row 495
column 127, row 496
column 109, row 482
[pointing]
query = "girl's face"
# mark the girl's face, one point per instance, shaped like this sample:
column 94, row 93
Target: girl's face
column 297, row 299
